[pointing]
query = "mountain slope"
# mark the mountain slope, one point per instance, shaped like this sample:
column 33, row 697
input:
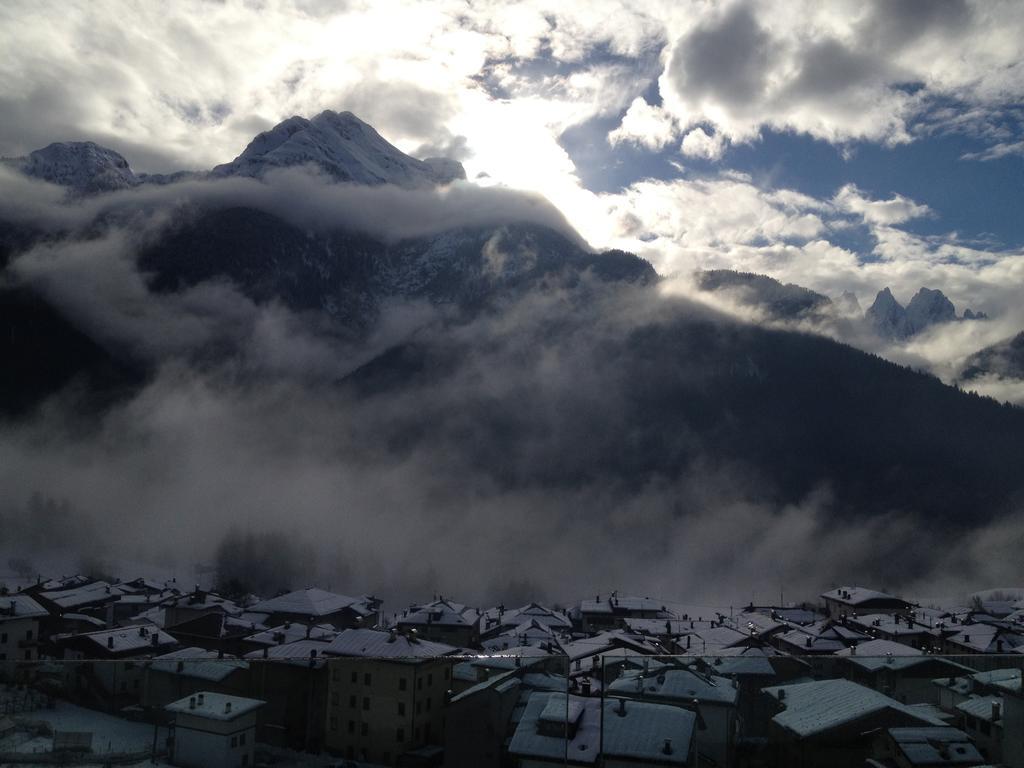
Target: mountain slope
column 344, row 147
column 1005, row 359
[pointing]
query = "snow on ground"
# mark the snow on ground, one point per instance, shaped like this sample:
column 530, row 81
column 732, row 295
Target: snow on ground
column 110, row 734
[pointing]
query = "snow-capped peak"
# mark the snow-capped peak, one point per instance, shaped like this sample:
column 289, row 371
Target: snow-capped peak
column 82, row 166
column 343, row 146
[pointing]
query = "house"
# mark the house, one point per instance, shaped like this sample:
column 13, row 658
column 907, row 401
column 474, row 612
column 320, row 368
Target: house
column 179, row 609
column 1013, row 726
column 319, row 606
column 899, row 671
column 109, row 673
column 289, row 632
column 182, row 673
column 90, row 598
column 386, row 694
column 850, row 601
column 597, row 615
column 291, row 679
column 497, row 620
column 213, row 730
column 443, row 621
column 830, row 722
column 20, row 618
column 981, row 638
column 926, row 747
column 896, row 627
column 982, row 719
column 478, row 721
column 713, row 697
column 558, row 730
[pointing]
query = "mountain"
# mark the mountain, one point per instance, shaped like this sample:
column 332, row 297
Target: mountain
column 1005, row 360
column 81, row 166
column 344, row 147
column 887, row 316
column 776, row 300
column 559, row 367
column 928, row 307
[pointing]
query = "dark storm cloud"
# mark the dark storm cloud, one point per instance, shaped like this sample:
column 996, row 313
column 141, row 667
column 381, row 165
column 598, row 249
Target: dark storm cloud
column 727, row 58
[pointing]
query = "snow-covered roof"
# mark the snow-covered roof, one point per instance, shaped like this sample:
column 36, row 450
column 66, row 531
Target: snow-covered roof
column 820, row 705
column 96, row 592
column 20, row 607
column 308, row 602
column 372, row 643
column 607, row 641
column 677, row 685
column 203, row 600
column 859, row 596
column 981, row 707
column 197, row 663
column 935, row 745
column 541, row 614
column 633, row 730
column 986, row 638
column 299, row 652
column 626, row 604
column 126, row 639
column 442, row 613
column 214, row 706
column 292, row 631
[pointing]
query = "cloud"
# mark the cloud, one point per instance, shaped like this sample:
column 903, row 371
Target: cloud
column 697, row 143
column 896, row 210
column 646, row 125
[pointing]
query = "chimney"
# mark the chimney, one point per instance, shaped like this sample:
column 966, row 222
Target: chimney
column 621, row 711
column 227, row 707
column 156, row 639
column 782, row 694
column 266, row 651
column 667, row 749
column 110, row 641
column 996, row 711
column 191, row 702
column 585, row 686
column 200, row 699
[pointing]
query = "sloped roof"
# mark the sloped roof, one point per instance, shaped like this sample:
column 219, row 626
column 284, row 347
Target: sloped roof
column 215, row 706
column 198, row 663
column 306, row 602
column 677, row 685
column 818, row 706
column 372, row 643
column 20, row 607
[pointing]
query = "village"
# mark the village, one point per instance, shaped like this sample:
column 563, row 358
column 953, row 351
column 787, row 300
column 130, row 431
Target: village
column 140, row 672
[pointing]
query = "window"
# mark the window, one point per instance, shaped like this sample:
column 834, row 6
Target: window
column 366, row 679
column 336, row 674
column 334, row 723
column 447, row 673
column 401, row 683
column 124, row 686
column 352, row 702
column 351, row 726
column 419, row 683
column 400, row 734
column 419, row 707
column 241, row 739
column 364, row 729
column 354, row 677
column 401, row 707
column 335, row 699
column 3, row 638
column 428, row 703
column 28, row 635
column 245, row 759
column 366, row 702
column 3, row 657
column 430, row 678
column 234, row 741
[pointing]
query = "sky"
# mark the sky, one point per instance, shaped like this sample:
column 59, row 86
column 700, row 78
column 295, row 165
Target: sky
column 840, row 145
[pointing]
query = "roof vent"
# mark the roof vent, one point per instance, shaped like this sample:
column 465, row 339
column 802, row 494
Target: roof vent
column 667, row 748
column 191, row 702
column 227, row 707
column 110, row 641
column 621, row 711
column 782, row 694
column 200, row 699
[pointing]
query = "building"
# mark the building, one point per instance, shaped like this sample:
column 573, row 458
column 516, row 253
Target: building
column 556, row 729
column 831, row 722
column 109, row 674
column 213, row 730
column 713, row 697
column 926, row 747
column 386, row 694
column 847, row 601
column 611, row 613
column 318, row 606
column 982, row 719
column 899, row 671
column 179, row 674
column 443, row 621
column 20, row 617
column 478, row 721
